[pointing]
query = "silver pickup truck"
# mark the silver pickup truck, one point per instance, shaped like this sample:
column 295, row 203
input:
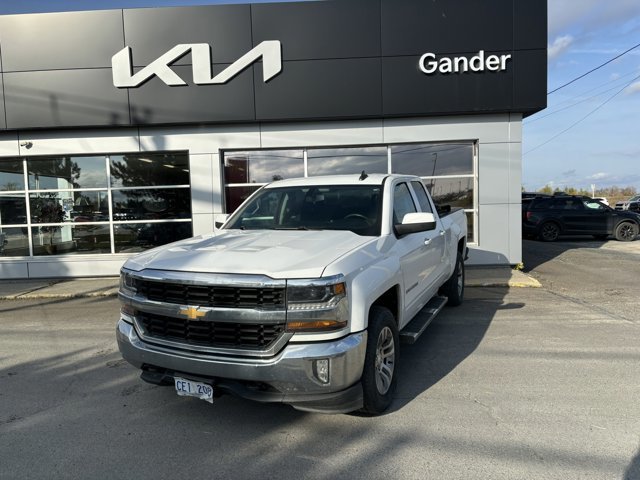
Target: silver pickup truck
column 302, row 296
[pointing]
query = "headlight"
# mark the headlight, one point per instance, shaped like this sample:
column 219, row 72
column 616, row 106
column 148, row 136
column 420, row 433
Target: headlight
column 318, row 305
column 127, row 283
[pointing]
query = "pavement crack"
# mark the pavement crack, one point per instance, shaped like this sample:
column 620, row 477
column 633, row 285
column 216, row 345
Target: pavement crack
column 593, row 306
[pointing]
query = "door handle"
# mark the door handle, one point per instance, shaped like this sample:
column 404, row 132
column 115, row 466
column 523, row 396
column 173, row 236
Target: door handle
column 427, row 241
column 441, row 232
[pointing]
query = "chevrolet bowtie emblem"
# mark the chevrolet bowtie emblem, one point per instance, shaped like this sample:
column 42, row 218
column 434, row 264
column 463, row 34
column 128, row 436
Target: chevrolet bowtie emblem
column 192, row 313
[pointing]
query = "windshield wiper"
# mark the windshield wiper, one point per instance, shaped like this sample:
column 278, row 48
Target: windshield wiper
column 301, row 227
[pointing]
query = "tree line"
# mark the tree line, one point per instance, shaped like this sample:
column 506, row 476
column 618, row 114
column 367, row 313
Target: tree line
column 612, row 194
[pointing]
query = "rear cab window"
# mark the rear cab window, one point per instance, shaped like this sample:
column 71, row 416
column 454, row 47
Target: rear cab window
column 421, row 195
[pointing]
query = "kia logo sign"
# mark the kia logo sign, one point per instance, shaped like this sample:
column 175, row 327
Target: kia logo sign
column 269, row 51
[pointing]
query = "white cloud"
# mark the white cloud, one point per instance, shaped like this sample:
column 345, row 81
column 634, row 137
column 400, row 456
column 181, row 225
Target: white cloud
column 633, row 88
column 559, row 46
column 598, row 176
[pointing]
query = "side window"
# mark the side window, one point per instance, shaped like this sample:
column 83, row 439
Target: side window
column 593, row 205
column 566, row 204
column 573, row 204
column 423, row 199
column 541, row 203
column 402, row 203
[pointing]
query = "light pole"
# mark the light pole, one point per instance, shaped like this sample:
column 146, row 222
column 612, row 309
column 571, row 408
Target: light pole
column 433, row 173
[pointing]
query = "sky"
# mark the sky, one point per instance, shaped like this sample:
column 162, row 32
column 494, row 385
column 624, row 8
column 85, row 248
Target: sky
column 589, row 134
column 600, row 113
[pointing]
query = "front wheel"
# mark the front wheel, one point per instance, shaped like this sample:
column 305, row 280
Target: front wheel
column 453, row 289
column 381, row 361
column 626, row 232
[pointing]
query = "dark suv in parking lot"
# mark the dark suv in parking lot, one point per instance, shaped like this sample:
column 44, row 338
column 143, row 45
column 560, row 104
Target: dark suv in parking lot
column 549, row 217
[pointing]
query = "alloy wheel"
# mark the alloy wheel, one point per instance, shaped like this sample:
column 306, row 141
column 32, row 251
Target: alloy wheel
column 385, row 360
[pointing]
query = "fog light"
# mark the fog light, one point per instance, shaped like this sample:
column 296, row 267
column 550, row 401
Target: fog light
column 321, row 368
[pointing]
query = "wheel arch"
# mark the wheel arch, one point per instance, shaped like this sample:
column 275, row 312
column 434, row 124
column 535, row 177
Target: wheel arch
column 389, row 300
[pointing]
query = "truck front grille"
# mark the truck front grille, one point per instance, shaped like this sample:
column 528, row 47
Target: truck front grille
column 267, row 298
column 210, row 334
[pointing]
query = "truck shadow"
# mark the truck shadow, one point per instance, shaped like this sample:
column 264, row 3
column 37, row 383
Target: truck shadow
column 536, row 253
column 452, row 337
column 633, row 470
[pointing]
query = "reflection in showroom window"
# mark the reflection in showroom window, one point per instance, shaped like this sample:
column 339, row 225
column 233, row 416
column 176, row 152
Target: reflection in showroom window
column 93, row 204
column 345, row 161
column 246, row 171
column 14, row 238
column 153, row 188
column 151, row 204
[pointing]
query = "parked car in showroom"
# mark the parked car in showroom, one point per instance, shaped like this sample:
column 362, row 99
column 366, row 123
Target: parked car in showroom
column 552, row 217
column 632, row 204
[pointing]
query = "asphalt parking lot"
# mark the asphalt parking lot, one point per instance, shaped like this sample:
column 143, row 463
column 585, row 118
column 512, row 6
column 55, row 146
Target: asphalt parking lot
column 536, row 383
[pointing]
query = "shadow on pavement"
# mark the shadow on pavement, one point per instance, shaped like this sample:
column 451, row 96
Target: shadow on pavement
column 633, row 470
column 448, row 341
column 536, row 253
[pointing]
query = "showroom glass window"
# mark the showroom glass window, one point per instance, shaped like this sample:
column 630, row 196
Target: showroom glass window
column 448, row 169
column 93, row 204
column 245, row 172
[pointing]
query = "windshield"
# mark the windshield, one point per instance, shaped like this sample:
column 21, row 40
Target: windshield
column 342, row 207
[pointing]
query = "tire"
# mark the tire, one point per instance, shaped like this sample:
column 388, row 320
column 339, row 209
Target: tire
column 626, row 232
column 380, row 362
column 549, row 232
column 453, row 289
column 601, row 236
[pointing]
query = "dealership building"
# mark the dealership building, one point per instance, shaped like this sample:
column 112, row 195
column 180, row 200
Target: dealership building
column 121, row 130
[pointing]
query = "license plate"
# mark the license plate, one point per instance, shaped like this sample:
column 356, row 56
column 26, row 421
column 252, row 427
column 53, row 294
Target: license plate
column 188, row 388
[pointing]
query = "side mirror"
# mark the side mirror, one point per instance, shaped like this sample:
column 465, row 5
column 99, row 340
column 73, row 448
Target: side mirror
column 416, row 222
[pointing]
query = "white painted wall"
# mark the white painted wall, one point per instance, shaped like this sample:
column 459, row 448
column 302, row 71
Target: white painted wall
column 499, row 140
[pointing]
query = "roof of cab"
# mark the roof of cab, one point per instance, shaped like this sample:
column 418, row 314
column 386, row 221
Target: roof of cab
column 353, row 179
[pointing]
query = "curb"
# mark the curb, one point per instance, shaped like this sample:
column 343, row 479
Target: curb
column 40, row 296
column 512, row 279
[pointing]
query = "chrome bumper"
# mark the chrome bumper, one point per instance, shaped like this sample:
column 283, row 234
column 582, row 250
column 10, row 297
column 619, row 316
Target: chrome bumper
column 290, row 374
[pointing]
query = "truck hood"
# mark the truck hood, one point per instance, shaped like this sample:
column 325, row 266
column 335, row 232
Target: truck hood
column 275, row 253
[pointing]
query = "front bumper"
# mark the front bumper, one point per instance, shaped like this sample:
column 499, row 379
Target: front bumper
column 288, row 377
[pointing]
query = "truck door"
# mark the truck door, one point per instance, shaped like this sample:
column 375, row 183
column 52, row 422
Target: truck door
column 418, row 259
column 439, row 240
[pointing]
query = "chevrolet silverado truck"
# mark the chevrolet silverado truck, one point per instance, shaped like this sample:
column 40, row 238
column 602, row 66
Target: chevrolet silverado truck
column 301, row 297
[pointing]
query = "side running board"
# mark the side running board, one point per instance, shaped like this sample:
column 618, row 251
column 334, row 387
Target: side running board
column 421, row 321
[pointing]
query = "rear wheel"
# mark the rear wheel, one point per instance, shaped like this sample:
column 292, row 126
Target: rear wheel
column 626, row 232
column 549, row 232
column 381, row 359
